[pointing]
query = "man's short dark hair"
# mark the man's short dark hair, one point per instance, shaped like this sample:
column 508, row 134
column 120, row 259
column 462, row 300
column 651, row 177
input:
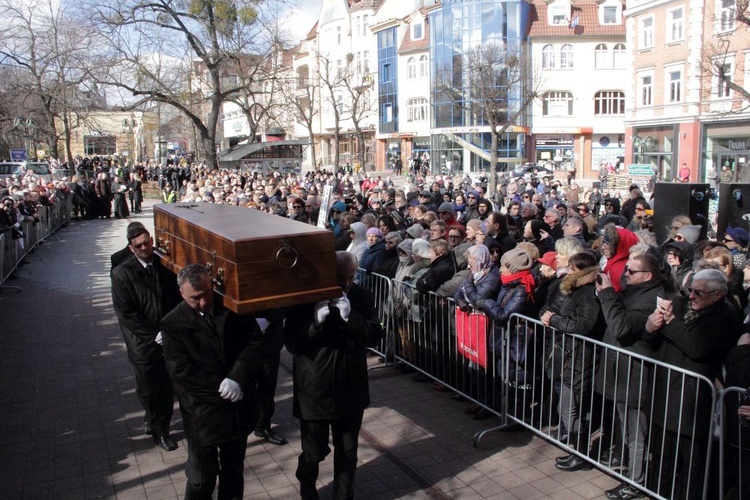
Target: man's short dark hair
column 135, row 231
column 649, row 263
column 194, row 274
column 499, row 219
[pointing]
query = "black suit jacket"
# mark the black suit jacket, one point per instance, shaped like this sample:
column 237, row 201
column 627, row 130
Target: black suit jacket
column 199, row 357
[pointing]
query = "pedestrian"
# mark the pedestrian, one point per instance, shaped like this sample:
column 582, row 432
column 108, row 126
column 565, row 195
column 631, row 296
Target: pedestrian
column 329, row 342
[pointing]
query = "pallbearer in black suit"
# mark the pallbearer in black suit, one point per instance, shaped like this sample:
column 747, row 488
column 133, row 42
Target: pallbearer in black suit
column 212, row 356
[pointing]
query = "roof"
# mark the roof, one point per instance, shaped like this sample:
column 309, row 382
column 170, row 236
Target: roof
column 409, row 45
column 241, row 151
column 588, row 22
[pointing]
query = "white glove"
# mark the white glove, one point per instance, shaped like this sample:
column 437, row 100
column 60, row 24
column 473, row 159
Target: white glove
column 321, row 312
column 158, row 338
column 231, row 390
column 344, row 306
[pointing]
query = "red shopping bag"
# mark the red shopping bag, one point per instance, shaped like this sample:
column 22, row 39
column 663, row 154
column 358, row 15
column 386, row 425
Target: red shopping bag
column 471, row 336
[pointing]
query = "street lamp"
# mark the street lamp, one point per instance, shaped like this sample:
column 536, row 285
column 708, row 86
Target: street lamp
column 27, row 130
column 129, row 127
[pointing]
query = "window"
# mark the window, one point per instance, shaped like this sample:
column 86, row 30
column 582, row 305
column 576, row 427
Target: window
column 601, row 57
column 558, row 16
column 556, row 103
column 387, row 113
column 340, row 103
column 675, row 25
column 618, row 56
column 386, row 74
column 338, row 35
column 416, row 109
column 366, row 61
column 722, row 89
column 647, row 33
column 411, row 68
column 674, row 83
column 365, row 24
column 609, row 102
column 423, row 68
column 548, row 57
column 566, row 56
column 646, row 87
column 416, row 31
column 726, row 16
column 609, row 15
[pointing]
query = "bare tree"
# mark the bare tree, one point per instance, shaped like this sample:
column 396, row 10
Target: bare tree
column 332, row 83
column 300, row 94
column 147, row 42
column 51, row 46
column 359, row 105
column 502, row 87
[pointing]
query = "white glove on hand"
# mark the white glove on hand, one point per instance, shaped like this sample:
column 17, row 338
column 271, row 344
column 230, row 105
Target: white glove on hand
column 321, row 312
column 158, row 338
column 231, row 390
column 344, row 306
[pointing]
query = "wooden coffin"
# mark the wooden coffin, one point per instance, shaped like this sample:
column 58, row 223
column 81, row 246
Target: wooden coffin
column 258, row 260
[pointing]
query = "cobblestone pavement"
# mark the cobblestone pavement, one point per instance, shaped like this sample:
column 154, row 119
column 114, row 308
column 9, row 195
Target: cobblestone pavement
column 71, row 426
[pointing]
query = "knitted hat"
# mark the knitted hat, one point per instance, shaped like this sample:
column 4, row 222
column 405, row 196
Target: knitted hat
column 537, row 227
column 549, row 259
column 339, row 206
column 375, row 231
column 415, row 231
column 516, row 260
column 421, row 248
column 690, row 233
column 738, row 234
column 446, row 207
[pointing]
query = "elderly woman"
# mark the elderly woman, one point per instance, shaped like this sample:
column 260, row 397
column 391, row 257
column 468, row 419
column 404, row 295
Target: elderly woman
column 373, row 254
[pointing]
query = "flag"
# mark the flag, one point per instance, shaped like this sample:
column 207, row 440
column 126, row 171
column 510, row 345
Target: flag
column 574, row 23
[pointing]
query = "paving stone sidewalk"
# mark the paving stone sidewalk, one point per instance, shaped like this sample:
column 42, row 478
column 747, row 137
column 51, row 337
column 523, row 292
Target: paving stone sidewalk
column 71, row 426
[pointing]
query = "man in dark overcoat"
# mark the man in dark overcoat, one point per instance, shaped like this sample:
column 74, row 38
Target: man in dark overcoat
column 212, row 355
column 329, row 342
column 143, row 292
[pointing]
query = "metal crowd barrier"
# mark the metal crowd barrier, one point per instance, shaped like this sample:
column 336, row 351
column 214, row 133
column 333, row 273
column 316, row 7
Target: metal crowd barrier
column 734, row 445
column 544, row 380
column 380, row 286
column 14, row 251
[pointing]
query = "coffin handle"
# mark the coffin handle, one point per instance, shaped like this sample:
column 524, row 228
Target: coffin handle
column 286, row 254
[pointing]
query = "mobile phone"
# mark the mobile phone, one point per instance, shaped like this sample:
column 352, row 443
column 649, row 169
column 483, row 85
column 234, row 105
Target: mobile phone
column 599, row 280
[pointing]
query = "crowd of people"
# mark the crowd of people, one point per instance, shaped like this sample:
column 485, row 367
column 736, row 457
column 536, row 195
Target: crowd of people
column 581, row 261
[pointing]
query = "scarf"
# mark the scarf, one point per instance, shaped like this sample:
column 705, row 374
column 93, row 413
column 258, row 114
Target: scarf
column 526, row 279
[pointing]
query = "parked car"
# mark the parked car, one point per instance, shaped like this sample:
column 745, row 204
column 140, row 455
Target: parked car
column 41, row 169
column 530, row 168
column 12, row 168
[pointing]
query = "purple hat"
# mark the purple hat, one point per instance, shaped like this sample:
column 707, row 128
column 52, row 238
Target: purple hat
column 375, row 231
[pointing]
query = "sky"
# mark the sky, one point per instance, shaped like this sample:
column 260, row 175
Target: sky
column 303, row 17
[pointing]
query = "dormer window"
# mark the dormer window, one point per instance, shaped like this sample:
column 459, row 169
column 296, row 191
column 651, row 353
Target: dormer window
column 417, row 31
column 558, row 13
column 610, row 12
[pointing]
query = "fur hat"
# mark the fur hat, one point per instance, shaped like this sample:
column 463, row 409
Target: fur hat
column 516, row 260
column 447, row 207
column 421, row 248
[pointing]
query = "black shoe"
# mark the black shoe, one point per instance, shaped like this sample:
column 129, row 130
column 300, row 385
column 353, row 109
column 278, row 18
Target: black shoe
column 482, row 414
column 147, row 428
column 573, row 464
column 624, row 490
column 612, row 460
column 165, row 443
column 564, row 458
column 458, row 397
column 271, row 437
column 472, row 410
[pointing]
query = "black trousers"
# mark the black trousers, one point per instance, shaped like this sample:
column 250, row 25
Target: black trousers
column 205, row 463
column 155, row 392
column 265, row 383
column 314, row 436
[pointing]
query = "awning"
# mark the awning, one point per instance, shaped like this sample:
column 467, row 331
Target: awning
column 241, row 151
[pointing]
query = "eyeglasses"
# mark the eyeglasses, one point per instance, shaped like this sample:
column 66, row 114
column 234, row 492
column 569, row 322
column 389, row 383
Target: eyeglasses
column 472, row 197
column 298, row 206
column 699, row 293
column 390, row 242
column 634, row 271
column 454, row 236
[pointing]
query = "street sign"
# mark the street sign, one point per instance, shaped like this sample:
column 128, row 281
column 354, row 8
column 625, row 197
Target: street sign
column 18, row 155
column 640, row 169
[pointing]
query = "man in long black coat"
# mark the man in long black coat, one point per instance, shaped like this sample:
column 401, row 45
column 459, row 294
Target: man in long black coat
column 143, row 292
column 329, row 341
column 212, row 355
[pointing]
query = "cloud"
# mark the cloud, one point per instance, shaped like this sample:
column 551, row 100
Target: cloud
column 302, row 18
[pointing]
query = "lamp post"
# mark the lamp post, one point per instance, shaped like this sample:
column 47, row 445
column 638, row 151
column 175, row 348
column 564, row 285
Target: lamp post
column 129, row 127
column 27, row 129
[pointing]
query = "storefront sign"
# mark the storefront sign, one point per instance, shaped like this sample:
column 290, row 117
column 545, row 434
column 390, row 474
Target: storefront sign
column 640, row 169
column 737, row 144
column 556, row 141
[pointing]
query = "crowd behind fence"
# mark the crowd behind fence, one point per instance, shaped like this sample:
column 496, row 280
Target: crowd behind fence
column 15, row 246
column 591, row 399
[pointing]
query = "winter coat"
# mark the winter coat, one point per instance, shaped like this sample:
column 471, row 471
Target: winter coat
column 199, row 357
column 441, row 270
column 140, row 302
column 388, row 264
column 487, row 287
column 626, row 314
column 372, row 256
column 616, row 264
column 330, row 360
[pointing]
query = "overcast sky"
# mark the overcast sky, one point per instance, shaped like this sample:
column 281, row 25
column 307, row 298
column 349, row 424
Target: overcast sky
column 303, row 17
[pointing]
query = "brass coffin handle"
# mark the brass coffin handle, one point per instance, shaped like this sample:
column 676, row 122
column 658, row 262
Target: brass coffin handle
column 287, row 256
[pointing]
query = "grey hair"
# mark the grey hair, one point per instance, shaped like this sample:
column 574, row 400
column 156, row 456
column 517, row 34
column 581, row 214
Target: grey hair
column 193, row 274
column 714, row 278
column 569, row 246
column 530, row 206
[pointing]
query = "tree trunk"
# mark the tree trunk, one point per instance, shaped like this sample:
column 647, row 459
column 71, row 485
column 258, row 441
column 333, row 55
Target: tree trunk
column 492, row 177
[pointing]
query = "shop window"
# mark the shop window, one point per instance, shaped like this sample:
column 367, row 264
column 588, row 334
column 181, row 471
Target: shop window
column 675, row 24
column 609, row 102
column 601, row 57
column 647, row 33
column 557, row 103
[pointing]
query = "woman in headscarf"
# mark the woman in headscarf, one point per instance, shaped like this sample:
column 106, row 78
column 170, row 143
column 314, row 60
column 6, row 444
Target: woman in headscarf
column 679, row 256
column 359, row 240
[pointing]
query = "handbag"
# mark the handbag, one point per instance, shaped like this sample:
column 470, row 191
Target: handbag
column 471, row 336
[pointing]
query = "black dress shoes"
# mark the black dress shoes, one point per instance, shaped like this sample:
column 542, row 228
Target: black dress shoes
column 165, row 443
column 564, row 458
column 624, row 490
column 573, row 463
column 271, row 437
column 147, row 428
